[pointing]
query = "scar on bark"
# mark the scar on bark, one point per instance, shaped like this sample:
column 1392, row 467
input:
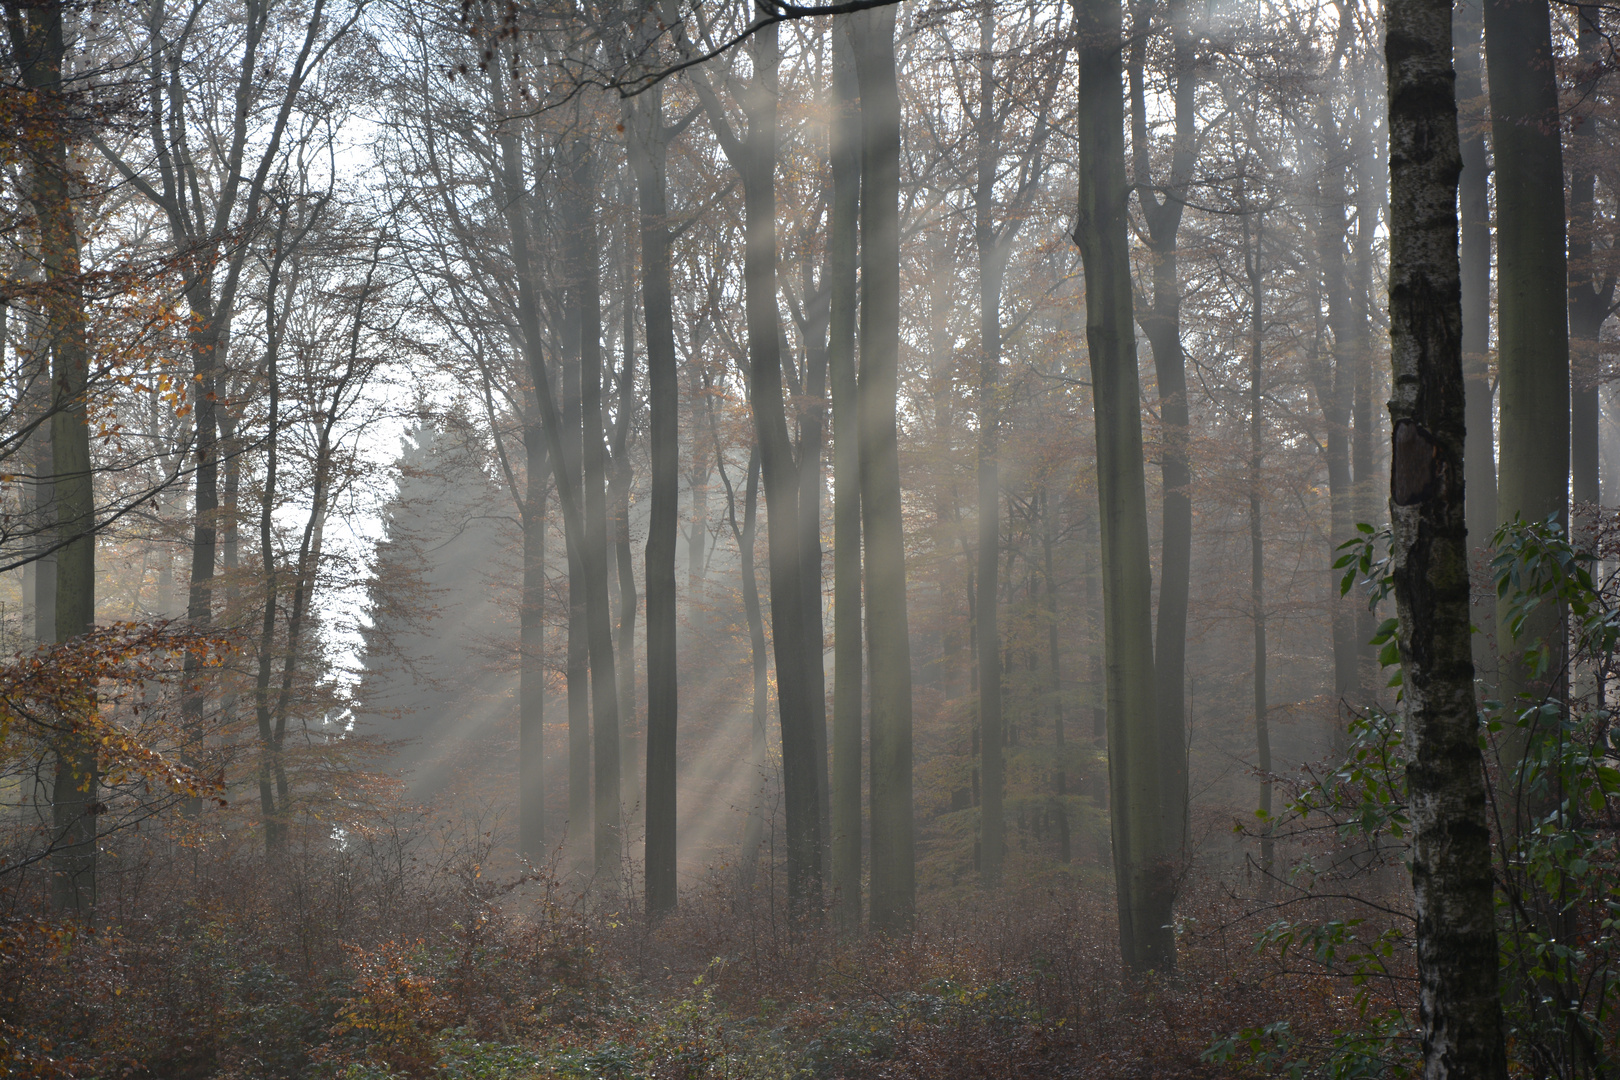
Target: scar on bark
column 1416, row 471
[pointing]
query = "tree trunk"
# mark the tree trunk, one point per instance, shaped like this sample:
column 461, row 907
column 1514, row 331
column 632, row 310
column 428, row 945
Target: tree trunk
column 1532, row 330
column 585, row 285
column 1335, row 386
column 992, row 826
column 1451, row 848
column 1162, row 325
column 1474, row 250
column 648, row 147
column 1143, row 880
column 621, row 477
column 1591, row 292
column 812, row 440
column 532, row 641
column 754, row 831
column 894, row 872
column 780, row 475
column 39, row 47
column 842, row 238
column 1252, row 255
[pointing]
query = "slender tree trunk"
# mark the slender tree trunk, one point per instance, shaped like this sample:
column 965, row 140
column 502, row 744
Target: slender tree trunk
column 577, row 664
column 894, row 875
column 1336, row 392
column 1474, row 248
column 532, row 640
column 992, row 736
column 648, row 146
column 812, row 440
column 1252, row 255
column 621, row 476
column 1532, row 323
column 754, row 831
column 842, row 238
column 44, row 509
column 1591, row 292
column 1451, row 848
column 1143, row 879
column 1364, row 421
column 585, row 282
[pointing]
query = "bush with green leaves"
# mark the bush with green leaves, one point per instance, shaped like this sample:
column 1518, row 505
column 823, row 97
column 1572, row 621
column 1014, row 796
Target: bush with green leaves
column 1557, row 873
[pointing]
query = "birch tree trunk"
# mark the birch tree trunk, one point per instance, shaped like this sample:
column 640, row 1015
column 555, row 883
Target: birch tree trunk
column 1451, row 851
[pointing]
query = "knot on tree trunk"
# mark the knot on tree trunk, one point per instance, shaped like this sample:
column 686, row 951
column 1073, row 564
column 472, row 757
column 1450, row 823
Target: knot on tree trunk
column 1416, row 472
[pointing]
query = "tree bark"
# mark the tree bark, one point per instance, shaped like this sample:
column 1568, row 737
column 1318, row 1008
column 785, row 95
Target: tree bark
column 1474, row 253
column 894, row 874
column 1335, row 382
column 1451, row 851
column 649, row 143
column 992, row 734
column 842, row 238
column 1252, row 255
column 756, row 161
column 39, row 47
column 1591, row 291
column 585, row 286
column 1532, row 318
column 532, row 641
column 1162, row 207
column 1144, row 883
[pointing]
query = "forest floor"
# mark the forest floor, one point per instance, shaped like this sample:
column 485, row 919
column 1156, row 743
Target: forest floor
column 356, row 966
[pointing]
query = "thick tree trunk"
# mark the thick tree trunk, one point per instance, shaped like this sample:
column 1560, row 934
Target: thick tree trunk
column 781, row 478
column 648, row 146
column 1162, row 325
column 1451, row 848
column 39, row 47
column 1144, row 882
column 894, row 873
column 992, row 735
column 1532, row 330
column 842, row 238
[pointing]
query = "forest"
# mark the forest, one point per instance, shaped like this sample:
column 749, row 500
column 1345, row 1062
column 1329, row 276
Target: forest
column 853, row 539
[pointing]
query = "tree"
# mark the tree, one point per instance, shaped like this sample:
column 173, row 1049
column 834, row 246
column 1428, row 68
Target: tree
column 1451, row 850
column 649, row 138
column 1142, row 877
column 39, row 44
column 842, row 242
column 1163, row 206
column 888, row 634
column 1532, row 318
